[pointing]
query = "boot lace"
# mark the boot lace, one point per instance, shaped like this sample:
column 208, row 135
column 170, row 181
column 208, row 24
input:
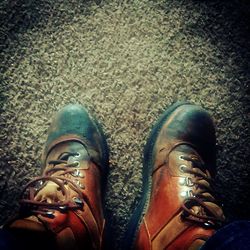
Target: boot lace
column 56, row 173
column 201, row 196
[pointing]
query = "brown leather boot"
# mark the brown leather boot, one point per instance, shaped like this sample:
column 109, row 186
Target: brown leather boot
column 62, row 209
column 178, row 209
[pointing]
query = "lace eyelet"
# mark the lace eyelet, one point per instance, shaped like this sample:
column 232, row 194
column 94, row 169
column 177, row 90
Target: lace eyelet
column 78, row 183
column 77, row 155
column 63, row 208
column 184, row 194
column 208, row 224
column 77, row 200
column 77, row 173
column 191, row 193
column 78, row 164
column 50, row 214
column 182, row 168
column 182, row 181
column 186, row 182
column 181, row 157
column 189, row 182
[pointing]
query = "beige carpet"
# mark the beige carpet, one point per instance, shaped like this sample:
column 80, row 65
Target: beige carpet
column 126, row 61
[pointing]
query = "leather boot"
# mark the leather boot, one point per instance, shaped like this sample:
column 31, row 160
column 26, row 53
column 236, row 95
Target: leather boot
column 178, row 209
column 62, row 209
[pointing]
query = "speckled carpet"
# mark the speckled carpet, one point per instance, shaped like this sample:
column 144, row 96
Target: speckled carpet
column 126, row 61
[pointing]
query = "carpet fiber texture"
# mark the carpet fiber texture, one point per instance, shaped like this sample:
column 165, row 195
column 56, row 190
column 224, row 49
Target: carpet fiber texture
column 126, row 61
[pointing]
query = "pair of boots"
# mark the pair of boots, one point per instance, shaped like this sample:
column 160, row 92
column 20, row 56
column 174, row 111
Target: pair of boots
column 63, row 208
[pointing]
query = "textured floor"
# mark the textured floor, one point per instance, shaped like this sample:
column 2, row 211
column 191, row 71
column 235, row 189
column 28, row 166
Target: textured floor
column 126, row 61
